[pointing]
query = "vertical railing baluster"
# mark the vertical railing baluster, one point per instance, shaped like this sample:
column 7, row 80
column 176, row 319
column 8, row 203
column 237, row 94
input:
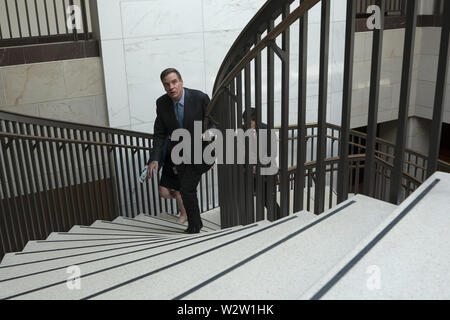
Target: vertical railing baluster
column 271, row 194
column 24, row 170
column 46, row 17
column 85, row 20
column 439, row 97
column 28, row 19
column 62, row 190
column 248, row 167
column 319, row 194
column 299, row 184
column 34, row 174
column 258, row 105
column 56, row 16
column 373, row 103
column 8, row 18
column 13, row 236
column 343, row 166
column 284, row 179
column 38, row 22
column 72, row 185
column 402, row 122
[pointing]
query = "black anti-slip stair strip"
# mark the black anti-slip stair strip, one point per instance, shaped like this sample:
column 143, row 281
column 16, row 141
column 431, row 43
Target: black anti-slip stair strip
column 94, row 260
column 146, row 215
column 211, row 236
column 123, row 230
column 74, row 248
column 274, row 224
column 210, row 222
column 102, row 239
column 178, row 225
column 111, row 234
column 339, row 275
column 143, row 227
column 259, row 253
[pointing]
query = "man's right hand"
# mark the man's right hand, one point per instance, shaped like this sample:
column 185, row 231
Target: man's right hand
column 152, row 166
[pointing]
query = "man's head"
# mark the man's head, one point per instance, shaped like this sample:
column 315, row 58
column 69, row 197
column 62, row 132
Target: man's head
column 252, row 117
column 172, row 82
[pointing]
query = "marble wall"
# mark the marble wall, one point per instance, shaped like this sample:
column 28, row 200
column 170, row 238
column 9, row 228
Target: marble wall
column 69, row 90
column 140, row 38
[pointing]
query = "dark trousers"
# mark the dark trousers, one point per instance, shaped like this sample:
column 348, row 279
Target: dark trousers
column 189, row 179
column 267, row 200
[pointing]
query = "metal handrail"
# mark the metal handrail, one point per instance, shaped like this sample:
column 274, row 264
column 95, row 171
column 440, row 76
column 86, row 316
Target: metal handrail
column 225, row 76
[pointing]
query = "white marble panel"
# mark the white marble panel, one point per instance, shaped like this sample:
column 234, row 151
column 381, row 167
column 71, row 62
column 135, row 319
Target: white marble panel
column 26, row 84
column 183, row 52
column 217, row 44
column 84, row 110
column 425, row 93
column 428, row 66
column 229, row 15
column 360, row 50
column 115, row 82
column 393, row 43
column 334, row 112
column 424, row 112
column 361, row 75
column 83, row 77
column 338, row 10
column 26, row 109
column 146, row 127
column 110, row 19
column 360, row 101
column 431, row 39
column 161, row 17
column 142, row 108
column 337, row 55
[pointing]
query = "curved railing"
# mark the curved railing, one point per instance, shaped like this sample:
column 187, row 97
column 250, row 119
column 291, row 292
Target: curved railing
column 57, row 174
column 240, row 84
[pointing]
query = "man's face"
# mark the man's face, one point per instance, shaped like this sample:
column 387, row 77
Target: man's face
column 173, row 86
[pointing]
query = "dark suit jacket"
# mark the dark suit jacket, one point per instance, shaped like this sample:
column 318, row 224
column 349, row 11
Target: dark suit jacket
column 195, row 103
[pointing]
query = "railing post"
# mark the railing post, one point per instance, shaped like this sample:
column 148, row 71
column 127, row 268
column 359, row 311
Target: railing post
column 284, row 179
column 270, row 192
column 439, row 98
column 319, row 194
column 373, row 103
column 343, row 167
column 299, row 186
column 402, row 123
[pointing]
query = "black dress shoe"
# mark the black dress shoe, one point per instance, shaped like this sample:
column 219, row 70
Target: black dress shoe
column 192, row 230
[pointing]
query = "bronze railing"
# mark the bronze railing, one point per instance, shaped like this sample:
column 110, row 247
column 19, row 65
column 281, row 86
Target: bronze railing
column 54, row 175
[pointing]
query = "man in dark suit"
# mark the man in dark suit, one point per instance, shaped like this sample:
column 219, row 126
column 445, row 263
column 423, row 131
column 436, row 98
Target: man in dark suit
column 179, row 108
column 253, row 148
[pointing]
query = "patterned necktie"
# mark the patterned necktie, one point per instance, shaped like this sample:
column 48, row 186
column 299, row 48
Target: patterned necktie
column 180, row 114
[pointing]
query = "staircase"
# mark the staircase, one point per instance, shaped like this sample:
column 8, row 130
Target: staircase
column 302, row 256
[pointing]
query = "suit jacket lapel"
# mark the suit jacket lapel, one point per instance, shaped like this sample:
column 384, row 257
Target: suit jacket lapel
column 171, row 112
column 187, row 107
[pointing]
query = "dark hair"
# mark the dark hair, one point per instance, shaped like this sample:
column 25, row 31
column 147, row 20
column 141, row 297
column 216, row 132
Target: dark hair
column 168, row 71
column 252, row 114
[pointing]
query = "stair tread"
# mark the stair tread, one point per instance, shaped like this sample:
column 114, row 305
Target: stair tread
column 308, row 254
column 410, row 250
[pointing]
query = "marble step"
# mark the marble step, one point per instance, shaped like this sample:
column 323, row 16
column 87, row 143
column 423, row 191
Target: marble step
column 101, row 274
column 289, row 267
column 40, row 261
column 406, row 257
column 162, row 222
